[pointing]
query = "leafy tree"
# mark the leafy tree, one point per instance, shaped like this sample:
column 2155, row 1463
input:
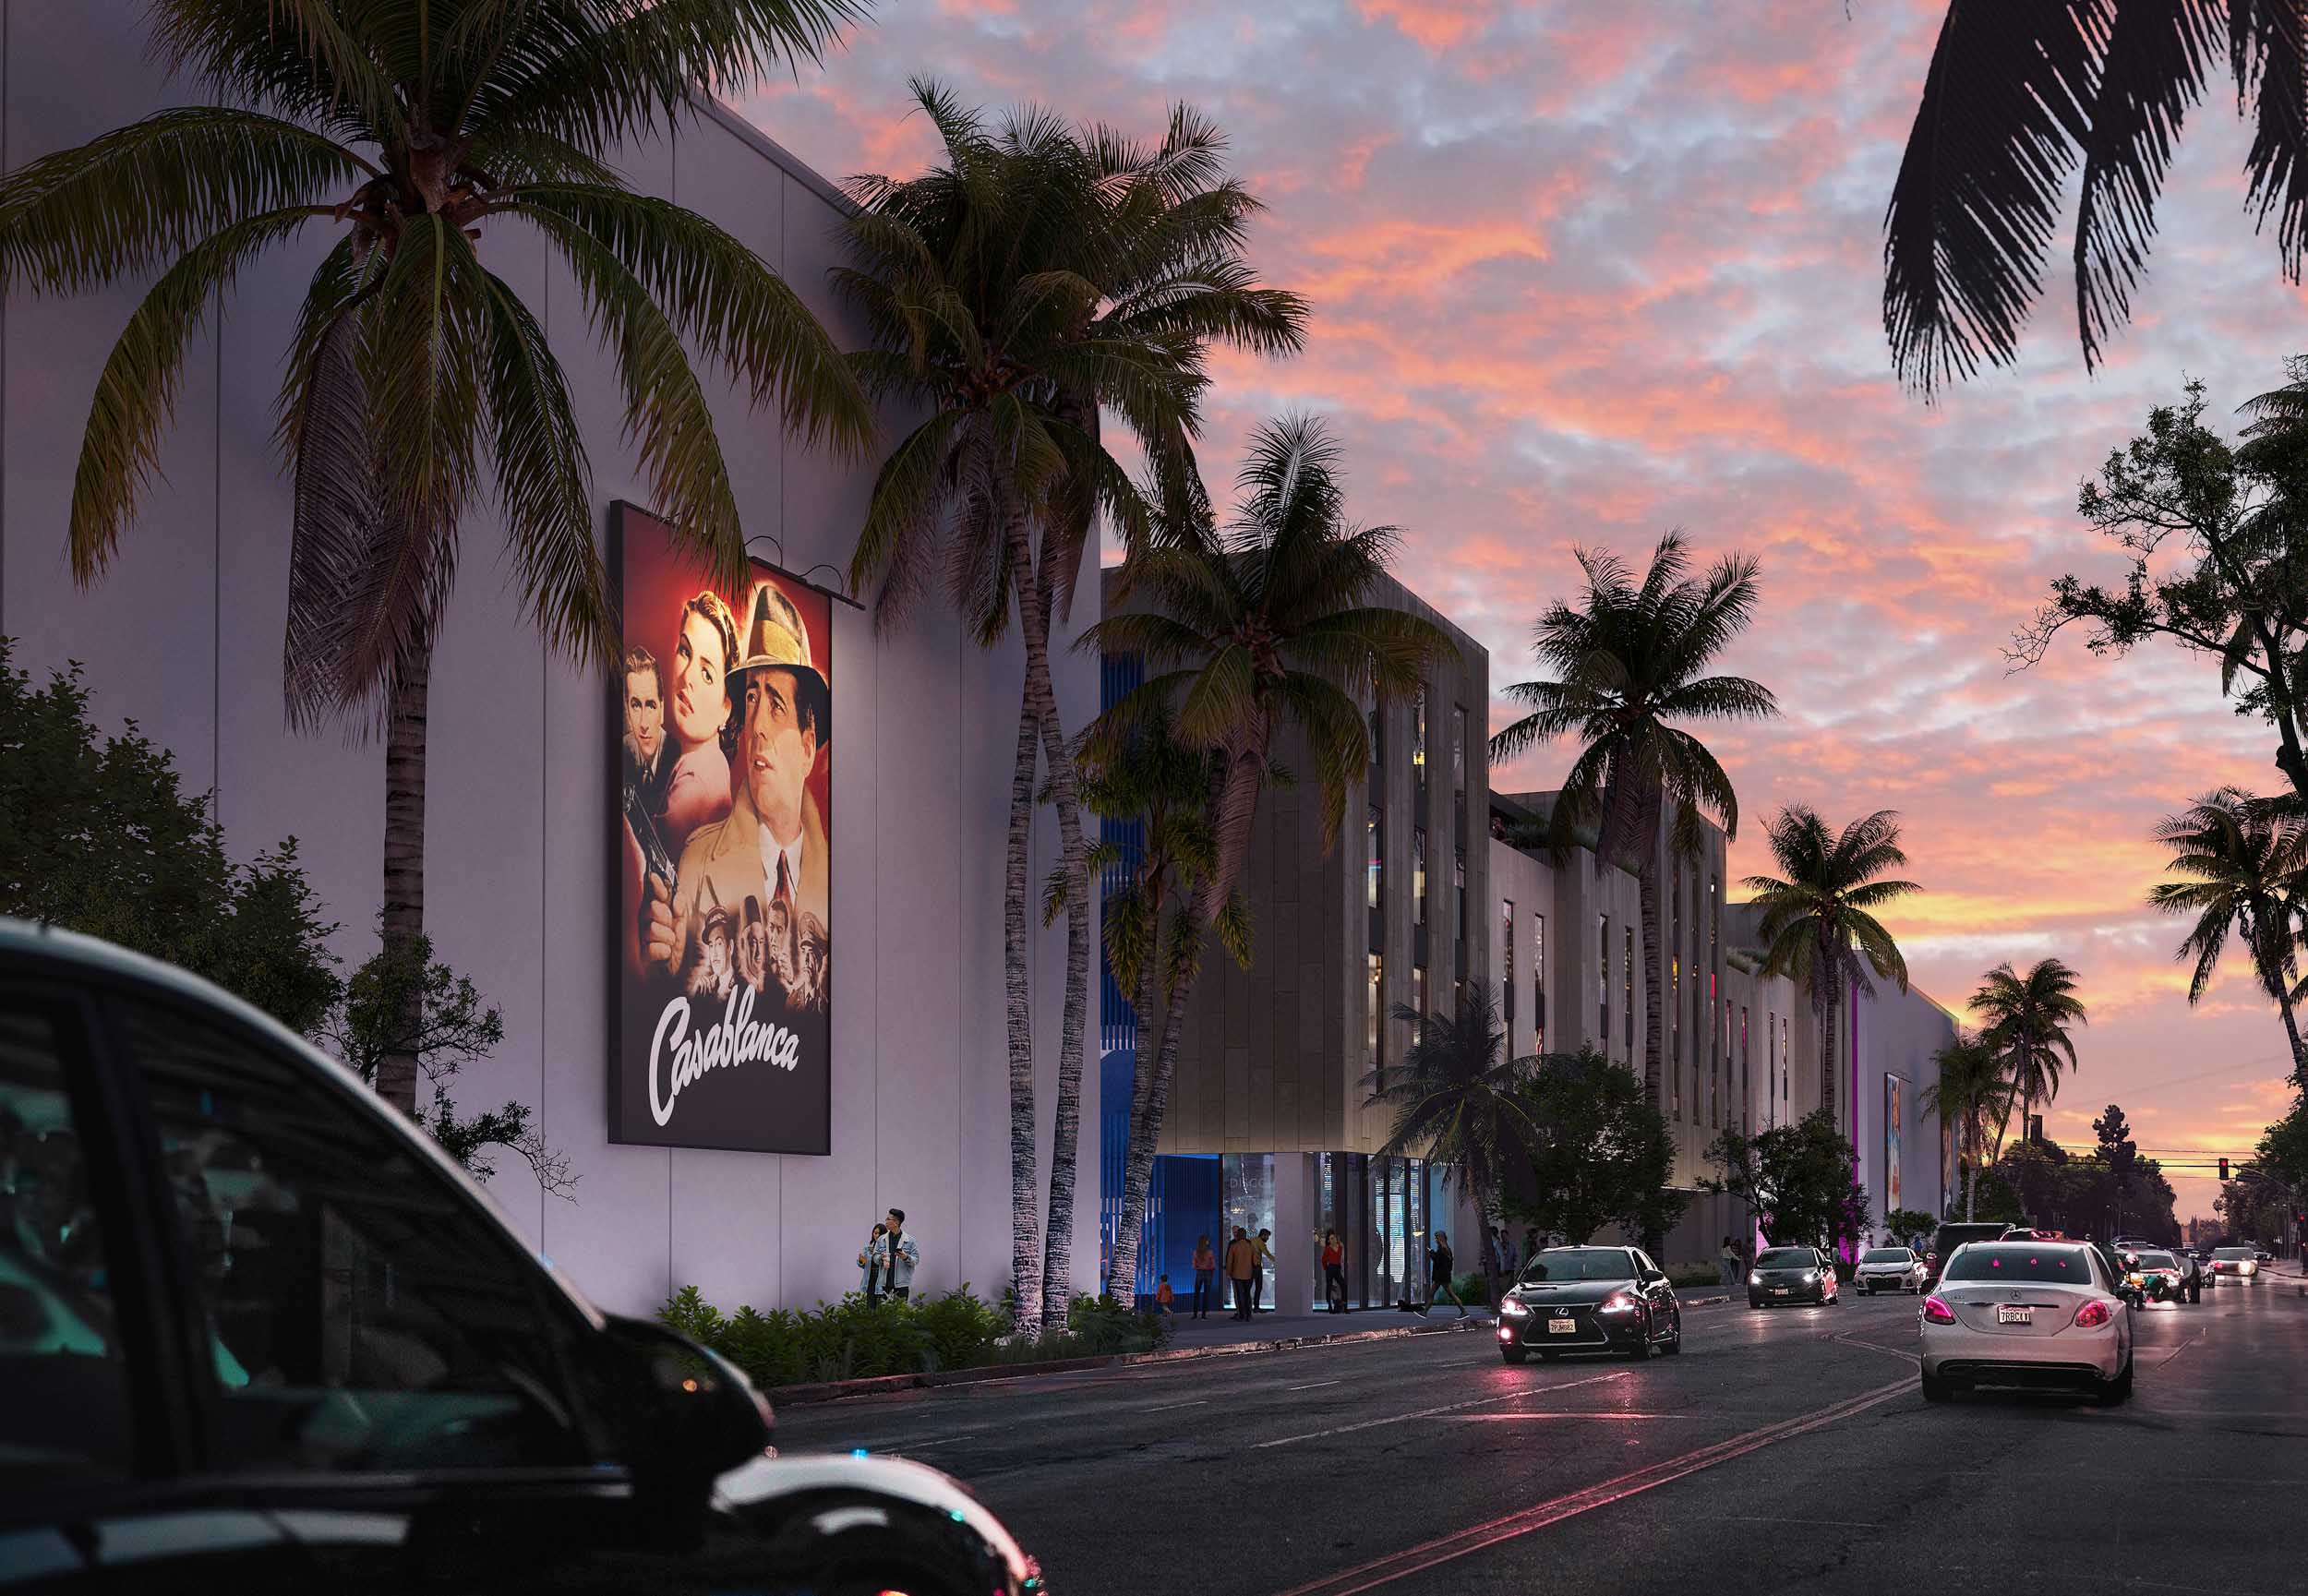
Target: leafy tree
column 2027, row 1021
column 1037, row 278
column 2283, row 1149
column 454, row 1027
column 1909, row 1227
column 1795, row 1179
column 1819, row 926
column 97, row 834
column 417, row 383
column 1459, row 1100
column 1600, row 1151
column 2241, row 861
column 1970, row 1089
column 1627, row 660
column 2015, row 96
column 2210, row 561
column 2118, row 1151
column 1266, row 628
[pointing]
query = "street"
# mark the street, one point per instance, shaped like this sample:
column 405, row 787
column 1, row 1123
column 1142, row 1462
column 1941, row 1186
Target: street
column 1783, row 1450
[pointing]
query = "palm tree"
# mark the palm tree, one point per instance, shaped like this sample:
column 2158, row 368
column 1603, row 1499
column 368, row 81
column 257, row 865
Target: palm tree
column 1819, row 926
column 2014, row 96
column 409, row 131
column 2027, row 1018
column 2241, row 860
column 1037, row 277
column 1264, row 626
column 1971, row 1086
column 1628, row 659
column 1456, row 1097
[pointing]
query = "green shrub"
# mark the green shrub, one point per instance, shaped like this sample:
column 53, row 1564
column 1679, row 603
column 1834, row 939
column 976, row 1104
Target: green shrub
column 1688, row 1275
column 1471, row 1287
column 852, row 1341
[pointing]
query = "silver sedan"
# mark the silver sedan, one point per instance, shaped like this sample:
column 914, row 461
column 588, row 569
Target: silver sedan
column 2033, row 1313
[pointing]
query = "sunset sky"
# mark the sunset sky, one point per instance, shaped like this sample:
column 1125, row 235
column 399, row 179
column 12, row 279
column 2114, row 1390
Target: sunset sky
column 1583, row 272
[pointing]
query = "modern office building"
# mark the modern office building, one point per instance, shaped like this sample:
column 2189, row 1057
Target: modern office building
column 184, row 637
column 1268, row 1125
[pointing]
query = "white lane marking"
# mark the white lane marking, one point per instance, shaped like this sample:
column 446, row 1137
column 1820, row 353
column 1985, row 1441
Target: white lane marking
column 1312, row 1386
column 2183, row 1346
column 1772, row 1518
column 1173, row 1407
column 1431, row 1412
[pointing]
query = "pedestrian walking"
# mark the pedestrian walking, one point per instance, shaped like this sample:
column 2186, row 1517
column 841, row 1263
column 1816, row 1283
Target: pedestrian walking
column 1164, row 1297
column 1439, row 1277
column 901, row 1255
column 1259, row 1282
column 1333, row 1272
column 870, row 1260
column 1205, row 1277
column 1730, row 1262
column 1242, row 1270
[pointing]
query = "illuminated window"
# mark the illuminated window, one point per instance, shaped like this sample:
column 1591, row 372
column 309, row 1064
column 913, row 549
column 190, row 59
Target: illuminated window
column 1418, row 1000
column 1418, row 734
column 1418, row 875
column 1506, row 995
column 1538, row 983
column 1371, row 1008
column 1375, row 837
column 1602, row 980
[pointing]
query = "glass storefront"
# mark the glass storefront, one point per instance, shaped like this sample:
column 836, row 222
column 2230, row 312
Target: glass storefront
column 1383, row 1209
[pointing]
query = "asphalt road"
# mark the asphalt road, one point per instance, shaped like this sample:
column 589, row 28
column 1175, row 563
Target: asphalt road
column 1787, row 1450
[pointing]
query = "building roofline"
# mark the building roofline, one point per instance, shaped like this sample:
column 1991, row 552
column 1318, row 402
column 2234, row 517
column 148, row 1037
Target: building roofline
column 718, row 110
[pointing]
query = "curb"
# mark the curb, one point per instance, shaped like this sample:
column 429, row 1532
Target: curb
column 839, row 1391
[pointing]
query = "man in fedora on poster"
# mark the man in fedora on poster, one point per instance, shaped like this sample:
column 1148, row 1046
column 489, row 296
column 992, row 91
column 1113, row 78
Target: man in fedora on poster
column 773, row 843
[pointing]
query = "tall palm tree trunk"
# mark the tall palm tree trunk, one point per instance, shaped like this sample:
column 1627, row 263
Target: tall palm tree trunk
column 1041, row 697
column 2292, row 1033
column 403, row 919
column 1150, row 1101
column 1025, row 1214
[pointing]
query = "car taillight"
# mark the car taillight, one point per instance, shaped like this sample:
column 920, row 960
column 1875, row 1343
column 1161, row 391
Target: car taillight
column 2091, row 1314
column 1935, row 1309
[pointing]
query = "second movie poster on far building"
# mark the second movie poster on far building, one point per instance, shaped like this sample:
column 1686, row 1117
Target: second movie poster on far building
column 721, row 820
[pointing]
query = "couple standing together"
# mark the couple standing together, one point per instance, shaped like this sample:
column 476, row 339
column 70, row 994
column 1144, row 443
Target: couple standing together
column 889, row 1259
column 1246, row 1264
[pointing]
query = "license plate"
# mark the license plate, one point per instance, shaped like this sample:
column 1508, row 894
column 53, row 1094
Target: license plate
column 1779, row 1290
column 1562, row 1326
column 2005, row 1315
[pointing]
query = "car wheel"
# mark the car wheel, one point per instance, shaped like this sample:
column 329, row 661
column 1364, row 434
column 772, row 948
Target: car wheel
column 1936, row 1388
column 1514, row 1354
column 1673, row 1345
column 2108, row 1393
column 1753, row 1301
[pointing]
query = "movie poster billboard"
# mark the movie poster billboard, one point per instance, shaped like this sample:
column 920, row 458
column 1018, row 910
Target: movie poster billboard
column 720, row 821
column 1892, row 1128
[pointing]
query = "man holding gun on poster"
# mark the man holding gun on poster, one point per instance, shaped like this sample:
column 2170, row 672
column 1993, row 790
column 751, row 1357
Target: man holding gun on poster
column 773, row 845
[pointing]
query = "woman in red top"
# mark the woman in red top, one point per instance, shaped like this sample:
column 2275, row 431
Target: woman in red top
column 1333, row 1271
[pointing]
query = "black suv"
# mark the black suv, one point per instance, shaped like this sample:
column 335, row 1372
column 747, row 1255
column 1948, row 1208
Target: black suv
column 1950, row 1237
column 259, row 1335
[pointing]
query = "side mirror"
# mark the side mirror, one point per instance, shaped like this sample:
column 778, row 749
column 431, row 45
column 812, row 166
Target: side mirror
column 690, row 1415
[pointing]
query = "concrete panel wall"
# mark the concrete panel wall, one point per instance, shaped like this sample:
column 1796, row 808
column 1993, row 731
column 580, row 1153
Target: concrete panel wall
column 184, row 637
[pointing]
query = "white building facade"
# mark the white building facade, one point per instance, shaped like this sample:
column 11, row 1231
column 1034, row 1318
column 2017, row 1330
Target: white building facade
column 184, row 637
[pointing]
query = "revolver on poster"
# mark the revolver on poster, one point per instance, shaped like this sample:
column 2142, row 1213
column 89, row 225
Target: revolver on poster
column 655, row 860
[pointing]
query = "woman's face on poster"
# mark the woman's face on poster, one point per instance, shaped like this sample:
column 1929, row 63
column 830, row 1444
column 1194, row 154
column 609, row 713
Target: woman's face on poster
column 700, row 696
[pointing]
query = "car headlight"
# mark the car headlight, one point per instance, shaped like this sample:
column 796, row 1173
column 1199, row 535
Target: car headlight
column 1753, row 1278
column 1810, row 1277
column 1621, row 1303
column 1514, row 1308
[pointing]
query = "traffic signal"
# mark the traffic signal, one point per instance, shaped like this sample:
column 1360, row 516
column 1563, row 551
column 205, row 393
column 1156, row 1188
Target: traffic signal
column 2223, row 1169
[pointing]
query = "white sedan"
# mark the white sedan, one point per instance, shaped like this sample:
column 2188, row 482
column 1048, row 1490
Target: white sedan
column 2236, row 1262
column 2033, row 1313
column 1889, row 1269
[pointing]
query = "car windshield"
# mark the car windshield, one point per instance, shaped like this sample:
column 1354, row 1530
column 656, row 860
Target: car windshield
column 2233, row 1252
column 2062, row 1266
column 2158, row 1261
column 1579, row 1264
column 1886, row 1255
column 1788, row 1258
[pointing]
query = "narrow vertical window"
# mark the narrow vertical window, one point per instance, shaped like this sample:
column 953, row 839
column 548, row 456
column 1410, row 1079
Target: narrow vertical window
column 1373, row 836
column 1371, row 1007
column 1507, row 966
column 1538, row 983
column 1418, row 734
column 1626, row 978
column 1418, row 875
column 1457, row 748
column 1602, row 981
column 1418, row 1002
